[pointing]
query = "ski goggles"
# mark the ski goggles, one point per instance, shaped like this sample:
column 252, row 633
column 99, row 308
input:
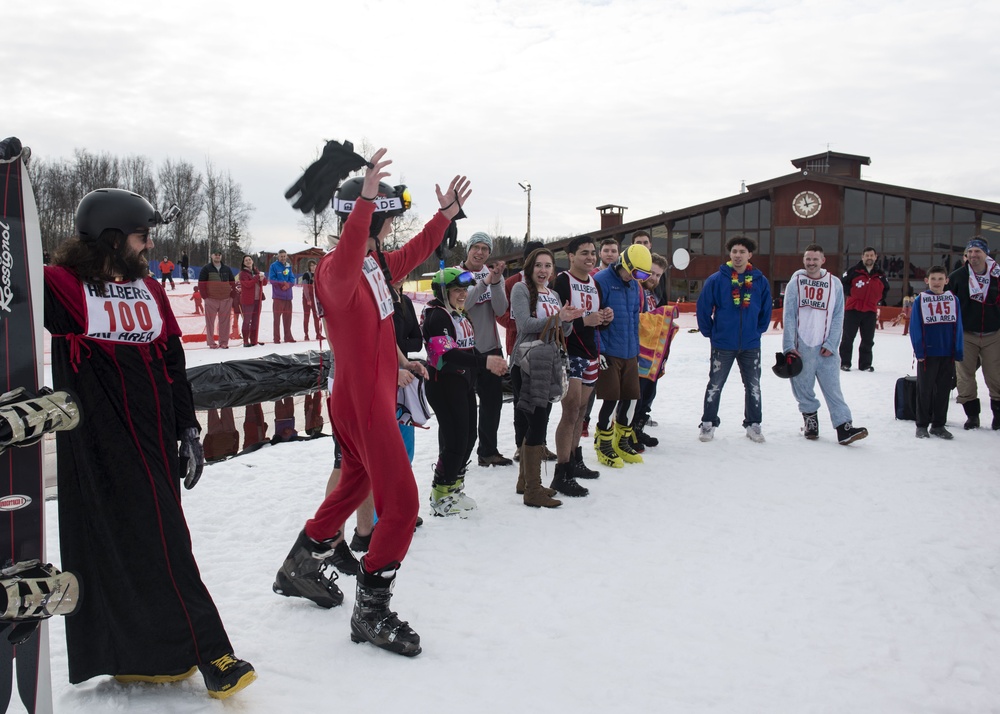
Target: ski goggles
column 464, row 281
column 640, row 274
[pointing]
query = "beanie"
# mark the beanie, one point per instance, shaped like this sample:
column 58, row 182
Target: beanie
column 483, row 238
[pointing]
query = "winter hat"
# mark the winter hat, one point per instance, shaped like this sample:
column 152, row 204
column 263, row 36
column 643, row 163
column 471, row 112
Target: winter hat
column 480, row 237
column 531, row 246
column 979, row 242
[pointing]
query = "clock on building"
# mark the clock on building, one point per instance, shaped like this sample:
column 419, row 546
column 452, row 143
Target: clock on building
column 806, row 204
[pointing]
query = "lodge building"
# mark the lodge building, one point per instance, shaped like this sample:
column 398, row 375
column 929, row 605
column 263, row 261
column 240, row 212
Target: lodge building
column 825, row 201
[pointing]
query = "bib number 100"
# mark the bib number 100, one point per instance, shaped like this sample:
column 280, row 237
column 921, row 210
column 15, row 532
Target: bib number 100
column 124, row 315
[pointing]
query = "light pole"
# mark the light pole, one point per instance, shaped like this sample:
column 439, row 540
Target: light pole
column 526, row 187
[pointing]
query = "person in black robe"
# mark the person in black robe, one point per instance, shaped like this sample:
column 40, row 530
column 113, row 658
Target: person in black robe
column 145, row 614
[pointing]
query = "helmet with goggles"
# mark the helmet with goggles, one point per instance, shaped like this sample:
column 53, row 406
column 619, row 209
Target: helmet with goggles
column 445, row 280
column 117, row 209
column 638, row 261
column 390, row 201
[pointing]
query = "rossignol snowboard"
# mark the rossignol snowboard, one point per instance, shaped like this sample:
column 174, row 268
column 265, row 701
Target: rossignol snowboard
column 22, row 502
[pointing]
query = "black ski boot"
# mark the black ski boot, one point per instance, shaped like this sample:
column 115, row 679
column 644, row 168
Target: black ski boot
column 564, row 482
column 373, row 621
column 995, row 403
column 303, row 573
column 580, row 469
column 26, row 418
column 848, row 434
column 971, row 411
column 810, row 428
column 227, row 675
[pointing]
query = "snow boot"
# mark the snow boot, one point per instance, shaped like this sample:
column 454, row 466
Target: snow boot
column 32, row 590
column 549, row 455
column 373, row 621
column 755, row 434
column 360, row 543
column 342, row 558
column 303, row 574
column 622, row 442
column 495, row 460
column 810, row 427
column 564, row 481
column 848, row 434
column 972, row 411
column 534, row 493
column 580, row 469
column 519, row 488
column 922, row 433
column 706, row 431
column 941, row 433
column 640, row 433
column 227, row 675
column 25, row 418
column 995, row 404
column 604, row 445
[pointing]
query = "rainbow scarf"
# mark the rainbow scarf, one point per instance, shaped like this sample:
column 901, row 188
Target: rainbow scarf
column 742, row 301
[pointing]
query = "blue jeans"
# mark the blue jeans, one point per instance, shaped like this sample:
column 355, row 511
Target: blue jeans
column 722, row 362
column 825, row 370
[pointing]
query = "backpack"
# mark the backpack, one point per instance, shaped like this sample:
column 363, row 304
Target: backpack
column 411, row 403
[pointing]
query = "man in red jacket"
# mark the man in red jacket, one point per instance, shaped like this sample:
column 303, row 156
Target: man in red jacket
column 865, row 286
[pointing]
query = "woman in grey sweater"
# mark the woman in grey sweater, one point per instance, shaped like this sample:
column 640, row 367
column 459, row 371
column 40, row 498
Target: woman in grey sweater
column 531, row 305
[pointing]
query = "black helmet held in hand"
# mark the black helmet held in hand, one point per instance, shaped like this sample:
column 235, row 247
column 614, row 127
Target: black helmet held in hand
column 786, row 366
column 119, row 209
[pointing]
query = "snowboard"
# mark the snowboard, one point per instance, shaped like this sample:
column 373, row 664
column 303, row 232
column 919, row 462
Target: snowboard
column 22, row 501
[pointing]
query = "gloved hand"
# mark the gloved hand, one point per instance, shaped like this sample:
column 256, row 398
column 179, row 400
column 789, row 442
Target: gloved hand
column 320, row 181
column 192, row 457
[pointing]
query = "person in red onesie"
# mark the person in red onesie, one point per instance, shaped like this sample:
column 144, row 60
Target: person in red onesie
column 352, row 285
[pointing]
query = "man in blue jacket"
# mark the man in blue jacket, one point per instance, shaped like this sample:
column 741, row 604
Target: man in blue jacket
column 618, row 380
column 734, row 310
column 282, row 280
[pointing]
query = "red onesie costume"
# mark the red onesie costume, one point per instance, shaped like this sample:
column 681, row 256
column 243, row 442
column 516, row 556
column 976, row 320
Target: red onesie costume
column 357, row 307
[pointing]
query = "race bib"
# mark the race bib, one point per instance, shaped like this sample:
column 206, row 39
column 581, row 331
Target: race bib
column 815, row 293
column 465, row 336
column 488, row 293
column 548, row 305
column 938, row 309
column 584, row 295
column 123, row 312
column 376, row 281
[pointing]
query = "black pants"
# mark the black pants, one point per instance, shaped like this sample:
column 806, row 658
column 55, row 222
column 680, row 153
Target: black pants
column 489, row 387
column 853, row 321
column 454, row 403
column 533, row 424
column 935, row 379
column 647, row 393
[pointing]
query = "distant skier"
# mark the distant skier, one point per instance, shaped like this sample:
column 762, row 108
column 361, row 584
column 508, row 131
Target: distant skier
column 146, row 615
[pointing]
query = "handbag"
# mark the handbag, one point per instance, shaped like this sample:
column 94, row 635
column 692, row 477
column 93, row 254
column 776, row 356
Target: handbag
column 548, row 349
column 411, row 403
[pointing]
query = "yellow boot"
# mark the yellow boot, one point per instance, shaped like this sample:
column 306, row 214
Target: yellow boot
column 604, row 446
column 623, row 446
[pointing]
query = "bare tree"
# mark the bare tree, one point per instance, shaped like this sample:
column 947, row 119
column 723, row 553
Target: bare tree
column 236, row 216
column 180, row 183
column 136, row 175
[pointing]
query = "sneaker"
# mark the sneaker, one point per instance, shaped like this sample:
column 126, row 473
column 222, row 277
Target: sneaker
column 922, row 433
column 343, row 559
column 810, row 428
column 848, row 434
column 303, row 574
column 360, row 543
column 845, row 368
column 652, row 423
column 495, row 460
column 866, row 369
column 227, row 675
column 941, row 432
column 155, row 678
column 706, row 431
column 754, row 434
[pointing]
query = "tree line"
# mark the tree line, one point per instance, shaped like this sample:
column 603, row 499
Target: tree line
column 213, row 214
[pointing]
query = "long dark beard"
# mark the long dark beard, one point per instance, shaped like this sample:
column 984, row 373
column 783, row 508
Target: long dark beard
column 131, row 266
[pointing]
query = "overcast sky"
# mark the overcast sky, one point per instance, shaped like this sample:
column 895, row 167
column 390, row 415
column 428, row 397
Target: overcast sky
column 651, row 104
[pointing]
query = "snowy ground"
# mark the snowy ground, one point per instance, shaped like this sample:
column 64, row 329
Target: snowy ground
column 791, row 576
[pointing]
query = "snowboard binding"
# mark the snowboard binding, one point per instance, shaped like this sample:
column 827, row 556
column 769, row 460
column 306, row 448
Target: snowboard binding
column 32, row 591
column 26, row 418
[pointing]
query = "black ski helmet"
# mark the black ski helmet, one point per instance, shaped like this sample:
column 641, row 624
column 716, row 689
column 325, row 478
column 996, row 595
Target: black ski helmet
column 786, row 366
column 114, row 208
column 390, row 201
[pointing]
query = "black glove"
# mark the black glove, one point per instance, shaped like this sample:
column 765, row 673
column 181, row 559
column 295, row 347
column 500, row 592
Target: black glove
column 448, row 241
column 320, row 181
column 192, row 457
